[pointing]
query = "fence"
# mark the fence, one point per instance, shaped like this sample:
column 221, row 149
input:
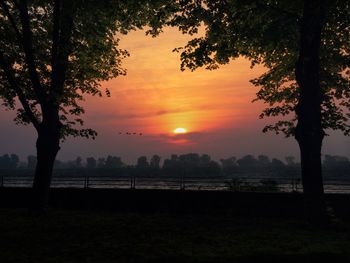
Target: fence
column 256, row 184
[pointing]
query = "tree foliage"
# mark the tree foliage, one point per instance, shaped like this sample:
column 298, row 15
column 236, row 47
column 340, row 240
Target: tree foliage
column 32, row 53
column 267, row 32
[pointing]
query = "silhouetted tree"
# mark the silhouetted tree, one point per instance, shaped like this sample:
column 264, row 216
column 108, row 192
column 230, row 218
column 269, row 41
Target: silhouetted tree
column 229, row 165
column 78, row 162
column 172, row 166
column 142, row 162
column 212, row 169
column 54, row 52
column 204, row 160
column 71, row 164
column 113, row 162
column 59, row 164
column 31, row 159
column 248, row 163
column 290, row 160
column 191, row 164
column 9, row 161
column 188, row 163
column 142, row 166
column 263, row 160
column 336, row 166
column 5, row 161
column 277, row 164
column 207, row 166
column 305, row 47
column 292, row 168
column 101, row 162
column 155, row 161
column 334, row 160
column 91, row 163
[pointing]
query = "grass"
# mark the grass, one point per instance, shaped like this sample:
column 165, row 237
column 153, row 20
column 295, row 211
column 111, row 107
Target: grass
column 91, row 236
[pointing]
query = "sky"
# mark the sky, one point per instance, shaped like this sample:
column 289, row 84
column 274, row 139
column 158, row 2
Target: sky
column 156, row 97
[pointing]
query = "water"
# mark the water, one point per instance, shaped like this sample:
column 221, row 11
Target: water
column 175, row 183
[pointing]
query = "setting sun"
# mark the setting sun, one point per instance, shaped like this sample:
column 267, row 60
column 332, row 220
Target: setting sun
column 180, row 130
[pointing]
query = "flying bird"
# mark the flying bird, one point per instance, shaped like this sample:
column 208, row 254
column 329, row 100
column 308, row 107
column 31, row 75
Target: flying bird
column 130, row 133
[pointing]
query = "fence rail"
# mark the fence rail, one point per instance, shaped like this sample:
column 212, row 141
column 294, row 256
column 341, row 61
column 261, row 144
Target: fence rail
column 259, row 184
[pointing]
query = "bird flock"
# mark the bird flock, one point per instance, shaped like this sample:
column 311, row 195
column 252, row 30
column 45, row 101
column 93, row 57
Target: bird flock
column 131, row 133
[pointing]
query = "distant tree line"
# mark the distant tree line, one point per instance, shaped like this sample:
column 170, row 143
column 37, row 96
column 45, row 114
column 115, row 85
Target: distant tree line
column 9, row 161
column 191, row 164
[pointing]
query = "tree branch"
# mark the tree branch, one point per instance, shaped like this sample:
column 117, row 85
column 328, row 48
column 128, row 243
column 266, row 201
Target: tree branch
column 286, row 12
column 12, row 21
column 55, row 31
column 61, row 46
column 6, row 67
column 28, row 50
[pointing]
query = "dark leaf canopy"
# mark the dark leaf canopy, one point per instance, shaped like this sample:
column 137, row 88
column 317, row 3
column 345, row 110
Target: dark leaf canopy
column 41, row 38
column 267, row 32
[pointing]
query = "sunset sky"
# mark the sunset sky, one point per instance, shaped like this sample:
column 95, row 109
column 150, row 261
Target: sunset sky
column 155, row 98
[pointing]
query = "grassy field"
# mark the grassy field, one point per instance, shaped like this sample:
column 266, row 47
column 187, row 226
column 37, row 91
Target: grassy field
column 90, row 236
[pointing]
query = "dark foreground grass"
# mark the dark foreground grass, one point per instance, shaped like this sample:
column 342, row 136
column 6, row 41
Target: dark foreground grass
column 88, row 236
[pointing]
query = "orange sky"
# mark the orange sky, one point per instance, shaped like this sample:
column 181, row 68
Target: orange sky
column 156, row 97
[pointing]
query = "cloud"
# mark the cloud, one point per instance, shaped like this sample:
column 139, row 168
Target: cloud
column 150, row 113
column 189, row 138
column 147, row 114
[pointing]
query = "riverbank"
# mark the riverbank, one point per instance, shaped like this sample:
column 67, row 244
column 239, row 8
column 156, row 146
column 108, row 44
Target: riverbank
column 98, row 236
column 275, row 204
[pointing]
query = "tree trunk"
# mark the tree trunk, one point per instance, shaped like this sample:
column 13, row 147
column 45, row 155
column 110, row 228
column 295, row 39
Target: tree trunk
column 309, row 132
column 47, row 148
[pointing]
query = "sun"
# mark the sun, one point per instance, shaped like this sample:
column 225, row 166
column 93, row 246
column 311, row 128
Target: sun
column 180, row 131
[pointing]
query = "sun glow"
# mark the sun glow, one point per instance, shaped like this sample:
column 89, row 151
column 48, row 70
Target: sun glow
column 180, row 131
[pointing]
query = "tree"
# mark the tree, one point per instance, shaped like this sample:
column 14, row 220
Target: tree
column 172, row 166
column 229, row 165
column 248, row 162
column 59, row 164
column 277, row 164
column 142, row 162
column 31, row 162
column 204, row 160
column 91, row 163
column 305, row 47
column 9, row 161
column 330, row 160
column 290, row 160
column 113, row 162
column 101, row 162
column 78, row 162
column 263, row 160
column 52, row 53
column 155, row 161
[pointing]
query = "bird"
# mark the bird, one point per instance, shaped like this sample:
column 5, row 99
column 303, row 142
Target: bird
column 130, row 133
